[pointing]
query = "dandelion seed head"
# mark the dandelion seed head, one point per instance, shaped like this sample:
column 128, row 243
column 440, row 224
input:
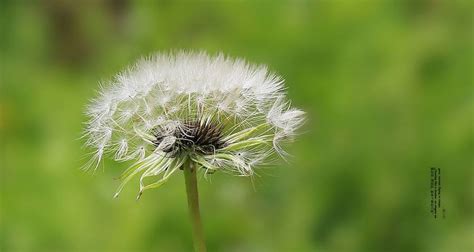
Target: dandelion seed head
column 219, row 112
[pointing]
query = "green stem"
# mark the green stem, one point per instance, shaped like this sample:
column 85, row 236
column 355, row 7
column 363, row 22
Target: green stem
column 193, row 205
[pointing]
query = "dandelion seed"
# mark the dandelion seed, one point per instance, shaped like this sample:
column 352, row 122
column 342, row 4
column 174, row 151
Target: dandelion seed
column 208, row 109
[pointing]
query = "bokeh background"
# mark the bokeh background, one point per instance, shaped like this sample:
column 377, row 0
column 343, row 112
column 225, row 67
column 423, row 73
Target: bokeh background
column 388, row 87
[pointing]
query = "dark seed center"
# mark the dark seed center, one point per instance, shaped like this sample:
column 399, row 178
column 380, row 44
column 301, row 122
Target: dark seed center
column 199, row 136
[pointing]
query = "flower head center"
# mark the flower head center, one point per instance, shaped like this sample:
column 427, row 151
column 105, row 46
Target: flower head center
column 198, row 136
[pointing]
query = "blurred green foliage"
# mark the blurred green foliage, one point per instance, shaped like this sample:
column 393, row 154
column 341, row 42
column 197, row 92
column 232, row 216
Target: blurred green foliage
column 387, row 86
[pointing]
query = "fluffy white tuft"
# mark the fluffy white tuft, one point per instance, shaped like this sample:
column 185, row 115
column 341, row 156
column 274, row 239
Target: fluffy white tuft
column 165, row 91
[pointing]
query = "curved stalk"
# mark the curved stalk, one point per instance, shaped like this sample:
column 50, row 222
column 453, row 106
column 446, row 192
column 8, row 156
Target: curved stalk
column 190, row 178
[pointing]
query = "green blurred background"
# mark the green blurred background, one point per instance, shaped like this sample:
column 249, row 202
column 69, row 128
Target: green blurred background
column 388, row 87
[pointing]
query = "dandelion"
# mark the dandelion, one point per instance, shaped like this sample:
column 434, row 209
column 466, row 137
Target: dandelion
column 192, row 112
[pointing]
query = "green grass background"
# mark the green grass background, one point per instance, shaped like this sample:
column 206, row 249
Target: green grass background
column 387, row 86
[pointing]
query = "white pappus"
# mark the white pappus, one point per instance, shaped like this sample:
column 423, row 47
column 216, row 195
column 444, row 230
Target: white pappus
column 218, row 112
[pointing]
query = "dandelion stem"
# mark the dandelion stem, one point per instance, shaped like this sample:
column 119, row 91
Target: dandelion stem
column 193, row 205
